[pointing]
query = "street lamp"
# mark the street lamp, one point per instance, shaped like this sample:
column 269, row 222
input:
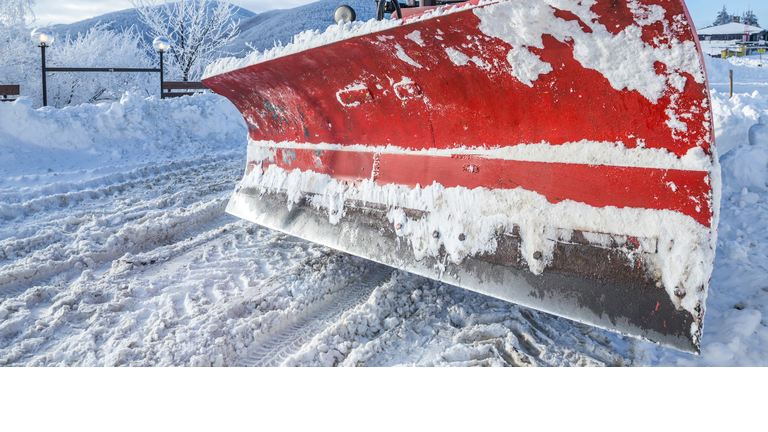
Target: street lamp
column 161, row 45
column 43, row 38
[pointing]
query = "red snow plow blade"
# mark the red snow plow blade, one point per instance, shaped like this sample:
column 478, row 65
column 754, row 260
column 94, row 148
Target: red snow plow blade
column 546, row 152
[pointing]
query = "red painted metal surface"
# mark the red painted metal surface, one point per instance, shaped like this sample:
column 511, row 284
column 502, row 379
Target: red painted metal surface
column 293, row 98
column 683, row 191
column 388, row 88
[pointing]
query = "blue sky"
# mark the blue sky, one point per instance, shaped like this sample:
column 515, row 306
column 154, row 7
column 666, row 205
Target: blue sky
column 703, row 12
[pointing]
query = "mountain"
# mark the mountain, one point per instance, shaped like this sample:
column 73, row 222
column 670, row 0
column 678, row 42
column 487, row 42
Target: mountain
column 261, row 31
column 123, row 19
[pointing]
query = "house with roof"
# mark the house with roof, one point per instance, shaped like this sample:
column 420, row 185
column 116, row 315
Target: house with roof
column 732, row 31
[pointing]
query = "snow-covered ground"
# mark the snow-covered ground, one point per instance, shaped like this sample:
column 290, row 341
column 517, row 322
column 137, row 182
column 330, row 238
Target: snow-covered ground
column 115, row 250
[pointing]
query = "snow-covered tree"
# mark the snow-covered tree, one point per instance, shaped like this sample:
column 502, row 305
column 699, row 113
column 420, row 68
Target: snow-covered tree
column 99, row 48
column 197, row 29
column 17, row 52
column 15, row 13
column 722, row 18
column 749, row 17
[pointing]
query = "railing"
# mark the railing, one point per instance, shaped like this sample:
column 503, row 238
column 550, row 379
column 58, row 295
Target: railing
column 167, row 86
column 65, row 69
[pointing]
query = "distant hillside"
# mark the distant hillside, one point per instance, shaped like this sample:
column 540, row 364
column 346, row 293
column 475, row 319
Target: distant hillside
column 120, row 20
column 264, row 30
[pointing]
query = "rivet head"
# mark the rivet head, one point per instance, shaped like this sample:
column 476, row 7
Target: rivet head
column 679, row 292
column 537, row 255
column 462, row 237
column 435, row 234
column 398, row 226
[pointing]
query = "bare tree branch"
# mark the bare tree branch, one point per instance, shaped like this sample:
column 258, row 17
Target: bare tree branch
column 197, row 29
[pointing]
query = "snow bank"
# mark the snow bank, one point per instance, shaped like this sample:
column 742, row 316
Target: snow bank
column 735, row 116
column 745, row 69
column 746, row 165
column 135, row 130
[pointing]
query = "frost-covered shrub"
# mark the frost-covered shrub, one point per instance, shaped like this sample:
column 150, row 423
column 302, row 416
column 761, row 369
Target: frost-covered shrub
column 19, row 58
column 100, row 48
column 17, row 54
column 15, row 13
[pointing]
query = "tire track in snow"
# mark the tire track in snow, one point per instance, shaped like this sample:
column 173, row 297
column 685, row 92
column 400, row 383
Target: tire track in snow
column 280, row 345
column 150, row 193
column 103, row 176
column 132, row 238
column 413, row 321
column 59, row 314
column 107, row 229
column 67, row 194
column 184, row 303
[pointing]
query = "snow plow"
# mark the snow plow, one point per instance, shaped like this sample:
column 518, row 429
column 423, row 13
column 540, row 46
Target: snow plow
column 557, row 154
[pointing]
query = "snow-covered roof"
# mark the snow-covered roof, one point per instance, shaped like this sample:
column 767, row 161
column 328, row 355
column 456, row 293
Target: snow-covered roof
column 730, row 28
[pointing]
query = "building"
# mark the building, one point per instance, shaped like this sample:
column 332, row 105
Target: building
column 732, row 31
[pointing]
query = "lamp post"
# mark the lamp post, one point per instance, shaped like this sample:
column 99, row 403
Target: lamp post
column 43, row 37
column 161, row 45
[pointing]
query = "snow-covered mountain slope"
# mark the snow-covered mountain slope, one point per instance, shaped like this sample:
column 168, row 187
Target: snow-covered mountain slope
column 261, row 31
column 123, row 20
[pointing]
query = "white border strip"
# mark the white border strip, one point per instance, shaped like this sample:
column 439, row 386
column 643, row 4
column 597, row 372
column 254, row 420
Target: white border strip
column 582, row 152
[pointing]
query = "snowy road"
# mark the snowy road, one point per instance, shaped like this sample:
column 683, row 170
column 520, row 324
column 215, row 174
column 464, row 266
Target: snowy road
column 115, row 250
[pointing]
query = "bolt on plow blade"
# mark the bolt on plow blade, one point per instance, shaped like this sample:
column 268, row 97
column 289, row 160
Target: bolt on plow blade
column 558, row 154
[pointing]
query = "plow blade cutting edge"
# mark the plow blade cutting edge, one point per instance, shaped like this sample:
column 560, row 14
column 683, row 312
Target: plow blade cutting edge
column 558, row 154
